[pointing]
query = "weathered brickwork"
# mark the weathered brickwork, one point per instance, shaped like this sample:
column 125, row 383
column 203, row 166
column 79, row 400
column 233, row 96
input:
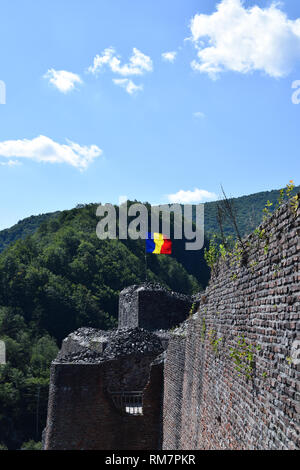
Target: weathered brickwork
column 208, row 404
column 82, row 413
column 173, row 402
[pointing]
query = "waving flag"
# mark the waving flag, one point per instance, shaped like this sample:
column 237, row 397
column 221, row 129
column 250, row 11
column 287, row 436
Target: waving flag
column 158, row 243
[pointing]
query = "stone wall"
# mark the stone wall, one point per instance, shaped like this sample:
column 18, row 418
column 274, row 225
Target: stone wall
column 152, row 307
column 232, row 369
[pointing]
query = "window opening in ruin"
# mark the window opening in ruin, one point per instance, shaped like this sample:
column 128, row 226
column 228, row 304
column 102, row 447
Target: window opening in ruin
column 128, row 402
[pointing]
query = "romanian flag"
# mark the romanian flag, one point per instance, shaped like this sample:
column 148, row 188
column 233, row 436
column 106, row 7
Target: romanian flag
column 158, row 243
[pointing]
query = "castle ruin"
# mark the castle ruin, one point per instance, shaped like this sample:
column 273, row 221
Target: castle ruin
column 216, row 372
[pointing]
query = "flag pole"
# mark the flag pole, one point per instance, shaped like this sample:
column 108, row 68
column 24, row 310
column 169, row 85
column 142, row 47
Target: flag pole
column 146, row 277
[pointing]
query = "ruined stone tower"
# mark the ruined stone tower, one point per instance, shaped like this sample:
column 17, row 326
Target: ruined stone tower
column 106, row 387
column 152, row 307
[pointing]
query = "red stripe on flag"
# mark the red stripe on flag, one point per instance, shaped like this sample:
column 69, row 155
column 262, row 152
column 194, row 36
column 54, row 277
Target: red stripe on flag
column 166, row 247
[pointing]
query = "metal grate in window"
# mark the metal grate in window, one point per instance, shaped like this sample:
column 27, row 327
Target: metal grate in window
column 128, row 402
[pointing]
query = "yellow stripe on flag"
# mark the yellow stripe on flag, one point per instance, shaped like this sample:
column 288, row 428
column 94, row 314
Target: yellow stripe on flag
column 159, row 241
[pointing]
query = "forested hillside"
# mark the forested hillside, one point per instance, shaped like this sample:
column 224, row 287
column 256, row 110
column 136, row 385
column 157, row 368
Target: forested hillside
column 248, row 209
column 249, row 212
column 23, row 228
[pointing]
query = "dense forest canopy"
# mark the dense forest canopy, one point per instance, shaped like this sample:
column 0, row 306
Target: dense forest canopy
column 248, row 209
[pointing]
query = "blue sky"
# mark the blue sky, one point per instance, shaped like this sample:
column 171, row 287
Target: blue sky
column 95, row 111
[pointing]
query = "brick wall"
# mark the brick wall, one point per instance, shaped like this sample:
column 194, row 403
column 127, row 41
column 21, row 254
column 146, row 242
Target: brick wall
column 208, row 404
column 173, row 396
column 81, row 414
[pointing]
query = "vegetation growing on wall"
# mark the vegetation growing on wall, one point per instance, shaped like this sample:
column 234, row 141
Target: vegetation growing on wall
column 222, row 246
column 248, row 211
column 243, row 356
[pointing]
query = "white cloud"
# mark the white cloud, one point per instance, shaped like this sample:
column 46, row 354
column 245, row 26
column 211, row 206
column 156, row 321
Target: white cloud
column 138, row 64
column 128, row 85
column 44, row 149
column 64, row 81
column 245, row 39
column 100, row 61
column 199, row 115
column 191, row 197
column 169, row 56
column 10, row 163
column 122, row 199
